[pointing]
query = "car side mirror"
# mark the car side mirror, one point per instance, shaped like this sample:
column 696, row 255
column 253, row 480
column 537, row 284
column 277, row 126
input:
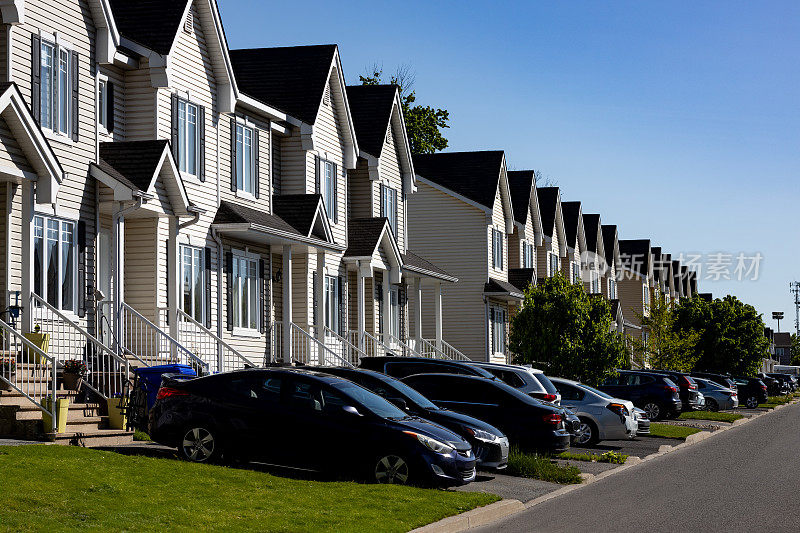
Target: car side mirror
column 399, row 402
column 350, row 410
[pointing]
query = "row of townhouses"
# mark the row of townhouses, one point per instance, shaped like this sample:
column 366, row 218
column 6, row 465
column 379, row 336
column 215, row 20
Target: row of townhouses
column 167, row 198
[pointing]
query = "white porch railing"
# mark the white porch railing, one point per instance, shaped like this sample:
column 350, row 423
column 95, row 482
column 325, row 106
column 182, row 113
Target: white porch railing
column 399, row 346
column 305, row 349
column 371, row 345
column 426, row 349
column 107, row 371
column 28, row 370
column 449, row 351
column 342, row 347
column 201, row 341
column 151, row 344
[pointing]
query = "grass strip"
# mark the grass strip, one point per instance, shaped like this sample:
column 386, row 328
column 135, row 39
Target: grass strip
column 709, row 415
column 607, row 457
column 772, row 401
column 105, row 491
column 669, row 431
column 141, row 436
column 541, row 467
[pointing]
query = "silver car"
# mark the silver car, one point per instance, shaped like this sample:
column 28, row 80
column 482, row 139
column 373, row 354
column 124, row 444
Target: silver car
column 531, row 381
column 717, row 396
column 602, row 417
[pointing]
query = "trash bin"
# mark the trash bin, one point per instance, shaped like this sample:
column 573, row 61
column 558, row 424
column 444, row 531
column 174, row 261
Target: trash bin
column 149, row 378
column 61, row 412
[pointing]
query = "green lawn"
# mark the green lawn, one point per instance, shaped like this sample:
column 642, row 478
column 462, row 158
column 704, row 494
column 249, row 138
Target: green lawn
column 541, row 467
column 607, row 457
column 669, row 431
column 772, row 401
column 60, row 488
column 709, row 415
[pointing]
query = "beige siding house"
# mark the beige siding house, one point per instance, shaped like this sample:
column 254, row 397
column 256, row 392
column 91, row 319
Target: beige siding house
column 634, row 284
column 593, row 262
column 553, row 251
column 528, row 235
column 576, row 242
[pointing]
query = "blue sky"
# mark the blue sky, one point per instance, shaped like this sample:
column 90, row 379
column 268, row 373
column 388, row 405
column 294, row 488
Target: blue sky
column 677, row 121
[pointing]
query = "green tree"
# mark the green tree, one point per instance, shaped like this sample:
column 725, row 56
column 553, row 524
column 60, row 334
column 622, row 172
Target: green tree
column 424, row 124
column 794, row 350
column 731, row 334
column 666, row 348
column 566, row 331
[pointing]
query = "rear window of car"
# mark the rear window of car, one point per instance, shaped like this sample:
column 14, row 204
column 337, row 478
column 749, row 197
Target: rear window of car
column 669, row 383
column 546, row 383
column 507, row 376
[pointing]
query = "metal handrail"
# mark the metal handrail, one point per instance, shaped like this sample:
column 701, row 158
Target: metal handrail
column 184, row 317
column 320, row 346
column 358, row 352
column 377, row 342
column 407, row 350
column 454, row 353
column 177, row 350
column 29, row 386
column 429, row 348
column 104, row 365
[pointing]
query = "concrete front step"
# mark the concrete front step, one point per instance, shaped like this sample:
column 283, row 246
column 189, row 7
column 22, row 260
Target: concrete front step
column 78, row 411
column 91, row 439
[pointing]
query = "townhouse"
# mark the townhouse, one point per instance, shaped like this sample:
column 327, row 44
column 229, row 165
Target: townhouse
column 612, row 264
column 576, row 242
column 593, row 259
column 554, row 238
column 527, row 236
column 635, row 282
column 461, row 218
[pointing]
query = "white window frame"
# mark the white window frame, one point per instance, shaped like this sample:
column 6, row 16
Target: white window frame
column 328, row 189
column 612, row 288
column 332, row 302
column 645, row 296
column 62, row 223
column 58, row 129
column 498, row 325
column 528, row 255
column 389, row 207
column 102, row 104
column 197, row 254
column 245, row 127
column 497, row 249
column 184, row 104
column 240, row 257
column 575, row 272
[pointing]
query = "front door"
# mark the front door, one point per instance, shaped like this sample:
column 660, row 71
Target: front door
column 105, row 266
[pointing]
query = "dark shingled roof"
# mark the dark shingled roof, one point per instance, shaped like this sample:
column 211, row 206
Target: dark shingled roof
column 635, row 254
column 520, row 183
column 548, row 206
column 363, row 235
column 371, row 107
column 298, row 210
column 657, row 259
column 609, row 238
column 151, row 23
column 229, row 213
column 474, row 175
column 410, row 259
column 132, row 163
column 497, row 286
column 292, row 79
column 591, row 224
column 522, row 277
column 572, row 215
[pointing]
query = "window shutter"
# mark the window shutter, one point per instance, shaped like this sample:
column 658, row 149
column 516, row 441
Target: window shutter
column 335, row 194
column 314, row 317
column 168, row 277
column 174, row 133
column 383, row 200
column 233, row 154
column 229, row 289
column 342, row 305
column 263, row 301
column 207, row 300
column 396, row 220
column 36, row 76
column 401, row 308
column 201, row 164
column 317, row 187
column 255, row 160
column 81, row 268
column 74, row 100
column 110, row 106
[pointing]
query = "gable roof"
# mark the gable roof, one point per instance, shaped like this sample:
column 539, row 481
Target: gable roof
column 230, row 213
column 611, row 243
column 573, row 223
column 301, row 211
column 371, row 107
column 151, row 23
column 635, row 255
column 363, row 235
column 594, row 235
column 132, row 163
column 473, row 175
column 548, row 207
column 414, row 263
column 520, row 183
column 291, row 78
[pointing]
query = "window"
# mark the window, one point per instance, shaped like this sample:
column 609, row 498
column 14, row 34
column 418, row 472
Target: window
column 646, row 295
column 389, row 206
column 528, row 255
column 188, row 145
column 245, row 291
column 102, row 104
column 329, row 189
column 575, row 272
column 552, row 264
column 332, row 302
column 570, row 393
column 497, row 318
column 193, row 282
column 612, row 289
column 55, row 277
column 245, row 162
column 595, row 283
column 497, row 249
column 55, row 87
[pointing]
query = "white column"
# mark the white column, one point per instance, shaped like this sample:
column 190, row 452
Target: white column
column 118, row 236
column 287, row 303
column 437, row 304
column 26, row 190
column 387, row 306
column 360, row 305
column 320, row 297
column 173, row 289
column 418, row 310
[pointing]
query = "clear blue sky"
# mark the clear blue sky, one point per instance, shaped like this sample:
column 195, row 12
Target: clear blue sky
column 677, row 121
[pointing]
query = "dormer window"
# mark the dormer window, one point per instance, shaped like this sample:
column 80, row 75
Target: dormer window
column 327, row 188
column 55, row 91
column 497, row 249
column 389, row 207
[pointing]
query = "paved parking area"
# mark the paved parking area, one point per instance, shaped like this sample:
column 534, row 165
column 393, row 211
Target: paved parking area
column 640, row 446
column 518, row 488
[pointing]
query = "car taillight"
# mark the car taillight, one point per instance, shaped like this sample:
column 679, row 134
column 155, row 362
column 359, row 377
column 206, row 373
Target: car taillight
column 617, row 408
column 549, row 397
column 687, row 383
column 167, row 392
column 552, row 418
column 671, row 388
column 764, row 387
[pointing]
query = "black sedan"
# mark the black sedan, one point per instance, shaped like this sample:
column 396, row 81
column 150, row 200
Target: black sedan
column 489, row 444
column 309, row 420
column 529, row 423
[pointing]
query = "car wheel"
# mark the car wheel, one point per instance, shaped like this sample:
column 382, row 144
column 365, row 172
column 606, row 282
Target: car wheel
column 653, row 410
column 392, row 469
column 751, row 402
column 199, row 444
column 711, row 404
column 587, row 433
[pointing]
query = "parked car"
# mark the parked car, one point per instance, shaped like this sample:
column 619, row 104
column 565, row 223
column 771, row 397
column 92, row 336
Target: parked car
column 489, row 444
column 601, row 416
column 723, row 379
column 531, row 381
column 400, row 367
column 690, row 398
column 309, row 420
column 529, row 423
column 789, row 380
column 774, row 387
column 655, row 393
column 643, row 423
column 717, row 396
column 752, row 391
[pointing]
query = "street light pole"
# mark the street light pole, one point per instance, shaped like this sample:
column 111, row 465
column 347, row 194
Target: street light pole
column 778, row 315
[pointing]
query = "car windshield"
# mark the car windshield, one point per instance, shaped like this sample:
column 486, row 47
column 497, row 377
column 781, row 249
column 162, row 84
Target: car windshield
column 547, row 384
column 369, row 400
column 598, row 392
column 411, row 394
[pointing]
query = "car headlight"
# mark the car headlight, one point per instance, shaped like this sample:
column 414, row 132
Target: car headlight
column 431, row 443
column 482, row 435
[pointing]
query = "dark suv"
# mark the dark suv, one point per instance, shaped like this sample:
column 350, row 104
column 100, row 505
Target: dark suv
column 656, row 393
column 752, row 392
column 400, row 367
column 690, row 397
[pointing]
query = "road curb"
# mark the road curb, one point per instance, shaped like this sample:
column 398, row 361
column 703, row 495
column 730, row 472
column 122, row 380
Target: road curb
column 474, row 518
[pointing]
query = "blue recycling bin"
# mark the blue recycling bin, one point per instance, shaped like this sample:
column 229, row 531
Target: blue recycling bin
column 149, row 378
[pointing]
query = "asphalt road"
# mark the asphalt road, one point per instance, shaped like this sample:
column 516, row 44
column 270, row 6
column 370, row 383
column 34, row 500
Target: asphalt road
column 746, row 479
